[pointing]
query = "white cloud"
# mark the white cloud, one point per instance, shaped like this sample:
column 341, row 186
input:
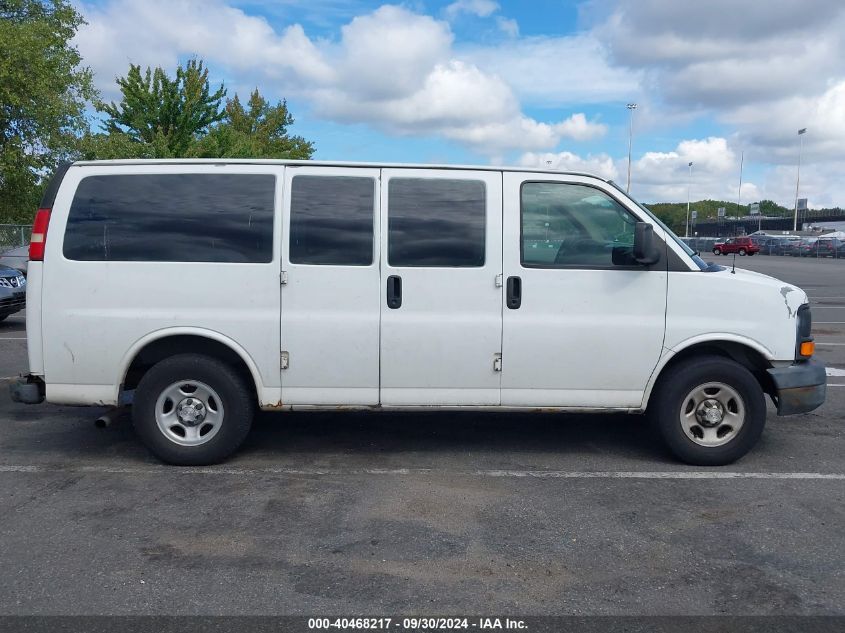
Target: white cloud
column 481, row 8
column 771, row 132
column 554, row 71
column 508, row 26
column 160, row 32
column 390, row 53
column 767, row 69
column 392, row 68
column 601, row 165
column 578, row 128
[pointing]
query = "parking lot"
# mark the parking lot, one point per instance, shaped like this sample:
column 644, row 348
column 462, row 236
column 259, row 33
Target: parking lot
column 529, row 514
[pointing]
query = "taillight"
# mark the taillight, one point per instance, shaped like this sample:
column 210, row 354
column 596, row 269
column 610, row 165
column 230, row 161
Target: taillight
column 39, row 235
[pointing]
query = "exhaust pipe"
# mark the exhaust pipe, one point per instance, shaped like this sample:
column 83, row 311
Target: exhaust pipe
column 109, row 417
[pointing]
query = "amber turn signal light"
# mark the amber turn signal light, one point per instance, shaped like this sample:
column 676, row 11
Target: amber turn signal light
column 807, row 348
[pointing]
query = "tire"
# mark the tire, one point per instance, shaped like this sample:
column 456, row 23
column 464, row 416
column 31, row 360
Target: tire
column 739, row 393
column 207, row 425
column 717, row 251
column 743, row 252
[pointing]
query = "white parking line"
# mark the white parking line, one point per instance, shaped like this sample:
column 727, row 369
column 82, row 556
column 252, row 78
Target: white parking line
column 830, row 344
column 829, row 323
column 342, row 472
column 834, row 371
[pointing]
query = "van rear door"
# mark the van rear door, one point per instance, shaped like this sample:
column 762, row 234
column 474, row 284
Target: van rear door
column 330, row 291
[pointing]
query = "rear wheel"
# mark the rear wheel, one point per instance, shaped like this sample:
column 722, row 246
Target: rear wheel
column 710, row 411
column 192, row 410
column 742, row 252
column 717, row 251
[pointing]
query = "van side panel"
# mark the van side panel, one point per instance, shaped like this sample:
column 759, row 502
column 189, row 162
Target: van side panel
column 94, row 312
column 761, row 317
column 34, row 342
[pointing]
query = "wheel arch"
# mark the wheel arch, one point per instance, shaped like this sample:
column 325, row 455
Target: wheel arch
column 748, row 353
column 161, row 344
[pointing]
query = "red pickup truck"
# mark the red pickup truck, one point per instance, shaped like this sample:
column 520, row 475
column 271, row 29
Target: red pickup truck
column 742, row 245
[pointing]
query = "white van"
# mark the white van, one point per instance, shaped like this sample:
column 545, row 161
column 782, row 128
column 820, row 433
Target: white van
column 200, row 290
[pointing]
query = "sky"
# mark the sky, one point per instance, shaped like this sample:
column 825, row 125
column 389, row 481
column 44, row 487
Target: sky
column 718, row 83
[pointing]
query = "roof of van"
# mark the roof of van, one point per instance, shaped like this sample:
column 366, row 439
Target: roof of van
column 326, row 163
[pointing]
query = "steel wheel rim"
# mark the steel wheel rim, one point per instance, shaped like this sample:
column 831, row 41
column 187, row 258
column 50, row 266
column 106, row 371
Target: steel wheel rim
column 712, row 414
column 189, row 413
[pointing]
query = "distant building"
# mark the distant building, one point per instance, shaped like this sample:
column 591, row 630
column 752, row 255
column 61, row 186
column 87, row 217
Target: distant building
column 828, row 226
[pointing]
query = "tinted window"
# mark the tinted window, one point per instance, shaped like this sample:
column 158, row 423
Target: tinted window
column 331, row 220
column 574, row 225
column 434, row 222
column 172, row 218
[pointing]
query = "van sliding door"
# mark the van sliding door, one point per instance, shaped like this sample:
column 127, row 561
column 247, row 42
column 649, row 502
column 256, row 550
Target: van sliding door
column 441, row 295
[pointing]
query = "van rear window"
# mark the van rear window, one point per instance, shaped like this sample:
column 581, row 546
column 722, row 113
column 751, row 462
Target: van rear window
column 331, row 220
column 172, row 218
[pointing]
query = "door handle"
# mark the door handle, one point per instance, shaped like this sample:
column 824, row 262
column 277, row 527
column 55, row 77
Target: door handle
column 514, row 293
column 394, row 292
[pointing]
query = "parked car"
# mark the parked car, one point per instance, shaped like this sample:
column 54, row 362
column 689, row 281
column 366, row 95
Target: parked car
column 768, row 244
column 12, row 291
column 739, row 245
column 805, row 248
column 200, row 291
column 16, row 258
column 828, row 247
column 787, row 245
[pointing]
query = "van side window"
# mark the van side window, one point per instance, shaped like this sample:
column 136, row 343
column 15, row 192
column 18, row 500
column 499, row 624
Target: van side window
column 172, row 218
column 331, row 220
column 436, row 222
column 569, row 225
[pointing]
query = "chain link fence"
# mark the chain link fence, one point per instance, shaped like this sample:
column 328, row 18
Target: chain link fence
column 14, row 235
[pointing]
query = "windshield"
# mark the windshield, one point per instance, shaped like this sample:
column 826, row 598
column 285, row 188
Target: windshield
column 702, row 265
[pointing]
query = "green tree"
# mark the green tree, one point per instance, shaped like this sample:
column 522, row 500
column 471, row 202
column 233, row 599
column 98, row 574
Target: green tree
column 674, row 214
column 43, row 95
column 158, row 116
column 258, row 131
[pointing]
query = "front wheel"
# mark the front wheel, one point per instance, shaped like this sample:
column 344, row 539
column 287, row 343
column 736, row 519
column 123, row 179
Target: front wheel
column 717, row 251
column 192, row 410
column 742, row 252
column 709, row 411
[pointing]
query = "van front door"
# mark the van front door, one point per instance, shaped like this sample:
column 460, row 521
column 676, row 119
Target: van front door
column 330, row 287
column 583, row 323
column 441, row 300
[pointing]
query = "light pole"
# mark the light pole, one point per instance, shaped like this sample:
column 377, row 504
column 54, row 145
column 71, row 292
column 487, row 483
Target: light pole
column 631, row 107
column 689, row 186
column 798, row 177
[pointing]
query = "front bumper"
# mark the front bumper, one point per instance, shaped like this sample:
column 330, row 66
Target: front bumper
column 799, row 388
column 27, row 389
column 11, row 302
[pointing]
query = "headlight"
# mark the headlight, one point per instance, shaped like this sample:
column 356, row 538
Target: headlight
column 804, row 345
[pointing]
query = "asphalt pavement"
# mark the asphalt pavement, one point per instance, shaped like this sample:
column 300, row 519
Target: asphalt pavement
column 349, row 513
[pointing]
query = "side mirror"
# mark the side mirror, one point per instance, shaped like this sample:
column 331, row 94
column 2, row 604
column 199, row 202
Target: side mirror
column 644, row 250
